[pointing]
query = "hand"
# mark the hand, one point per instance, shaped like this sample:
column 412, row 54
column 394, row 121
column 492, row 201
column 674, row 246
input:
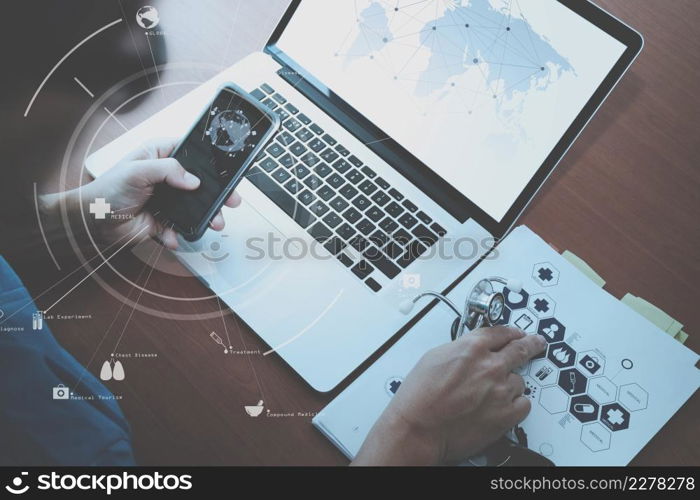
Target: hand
column 457, row 400
column 128, row 186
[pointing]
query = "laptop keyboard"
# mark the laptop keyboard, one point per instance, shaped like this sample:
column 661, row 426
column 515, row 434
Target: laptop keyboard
column 341, row 202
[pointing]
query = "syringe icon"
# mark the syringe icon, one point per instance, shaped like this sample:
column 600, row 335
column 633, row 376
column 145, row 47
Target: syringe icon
column 216, row 338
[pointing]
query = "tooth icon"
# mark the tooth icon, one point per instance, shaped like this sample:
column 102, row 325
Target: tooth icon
column 118, row 371
column 106, row 371
column 561, row 355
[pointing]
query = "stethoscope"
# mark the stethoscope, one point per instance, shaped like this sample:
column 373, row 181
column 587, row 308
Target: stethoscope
column 484, row 305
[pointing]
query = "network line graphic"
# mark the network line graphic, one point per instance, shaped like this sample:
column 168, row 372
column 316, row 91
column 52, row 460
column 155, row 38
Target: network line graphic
column 474, row 51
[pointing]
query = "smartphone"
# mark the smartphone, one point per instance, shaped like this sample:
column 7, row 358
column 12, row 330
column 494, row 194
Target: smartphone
column 219, row 149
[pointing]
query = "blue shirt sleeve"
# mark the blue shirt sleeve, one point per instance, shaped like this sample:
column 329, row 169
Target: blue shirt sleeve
column 88, row 428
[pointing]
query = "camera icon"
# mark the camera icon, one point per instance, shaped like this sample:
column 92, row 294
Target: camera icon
column 410, row 280
column 61, row 392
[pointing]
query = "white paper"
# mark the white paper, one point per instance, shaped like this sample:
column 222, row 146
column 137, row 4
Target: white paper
column 640, row 378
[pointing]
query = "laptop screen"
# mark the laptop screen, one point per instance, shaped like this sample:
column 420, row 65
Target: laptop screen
column 480, row 91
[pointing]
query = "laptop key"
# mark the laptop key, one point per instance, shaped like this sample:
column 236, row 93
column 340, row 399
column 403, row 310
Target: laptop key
column 303, row 118
column 332, row 219
column 408, row 205
column 373, row 285
column 362, row 269
column 281, row 175
column 292, row 125
column 304, row 134
column 351, row 215
column 310, row 159
column 335, row 245
column 346, row 231
column 355, row 161
column 388, row 225
column 279, row 197
column 374, row 213
column 306, row 197
column 267, row 88
column 286, row 160
column 367, row 187
column 322, row 169
column 342, row 150
column 414, row 250
column 316, row 145
column 275, row 150
column 270, row 104
column 379, row 260
column 407, row 220
column 316, row 129
column 359, row 243
column 313, row 182
column 300, row 171
column 382, row 183
column 393, row 250
column 394, row 209
column 379, row 238
column 425, row 235
column 320, row 233
column 329, row 155
column 285, row 138
column 291, row 108
column 368, row 172
column 380, row 198
column 297, row 149
column 329, row 140
column 318, row 208
column 361, row 203
column 348, row 191
column 424, row 218
column 354, row 176
column 293, row 186
column 339, row 204
column 279, row 99
column 439, row 229
column 341, row 166
column 402, row 237
column 346, row 261
column 268, row 164
column 335, row 180
column 325, row 193
column 258, row 94
column 395, row 194
column 365, row 226
column 282, row 114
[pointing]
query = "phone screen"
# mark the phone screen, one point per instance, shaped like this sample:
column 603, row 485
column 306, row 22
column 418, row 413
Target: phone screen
column 217, row 150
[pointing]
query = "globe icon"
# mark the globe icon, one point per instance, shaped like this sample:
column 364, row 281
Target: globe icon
column 229, row 130
column 147, row 17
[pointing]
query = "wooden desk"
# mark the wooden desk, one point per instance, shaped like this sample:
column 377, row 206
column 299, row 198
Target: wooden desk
column 625, row 199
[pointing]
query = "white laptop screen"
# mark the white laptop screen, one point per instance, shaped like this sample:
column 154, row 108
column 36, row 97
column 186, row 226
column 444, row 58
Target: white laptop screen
column 480, row 91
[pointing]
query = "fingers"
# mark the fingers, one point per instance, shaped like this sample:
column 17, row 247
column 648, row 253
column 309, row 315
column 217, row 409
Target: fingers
column 520, row 410
column 169, row 239
column 495, row 338
column 515, row 384
column 217, row 223
column 167, row 170
column 519, row 351
column 153, row 149
column 234, row 200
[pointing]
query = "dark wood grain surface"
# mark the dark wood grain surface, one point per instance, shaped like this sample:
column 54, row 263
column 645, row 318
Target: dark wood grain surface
column 625, row 199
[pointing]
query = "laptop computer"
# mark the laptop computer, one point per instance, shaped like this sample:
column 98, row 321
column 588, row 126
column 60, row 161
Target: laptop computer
column 413, row 135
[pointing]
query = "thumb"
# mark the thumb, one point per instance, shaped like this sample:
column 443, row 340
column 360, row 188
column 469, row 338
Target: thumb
column 167, row 170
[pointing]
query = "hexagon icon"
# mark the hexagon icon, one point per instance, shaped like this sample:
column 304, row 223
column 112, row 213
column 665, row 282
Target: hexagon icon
column 545, row 274
column 541, row 305
column 615, row 417
column 523, row 319
column 633, row 397
column 551, row 329
column 591, row 362
column 561, row 354
column 595, row 437
column 602, row 389
column 515, row 300
column 544, row 372
column 584, row 409
column 553, row 399
column 572, row 381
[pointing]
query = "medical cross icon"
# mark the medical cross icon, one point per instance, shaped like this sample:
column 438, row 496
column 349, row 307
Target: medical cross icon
column 100, row 208
column 541, row 305
column 545, row 274
column 615, row 416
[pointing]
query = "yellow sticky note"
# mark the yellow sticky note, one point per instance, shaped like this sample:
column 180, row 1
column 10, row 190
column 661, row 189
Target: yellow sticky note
column 653, row 314
column 582, row 266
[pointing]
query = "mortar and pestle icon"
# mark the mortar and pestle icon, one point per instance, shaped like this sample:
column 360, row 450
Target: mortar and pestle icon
column 255, row 410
